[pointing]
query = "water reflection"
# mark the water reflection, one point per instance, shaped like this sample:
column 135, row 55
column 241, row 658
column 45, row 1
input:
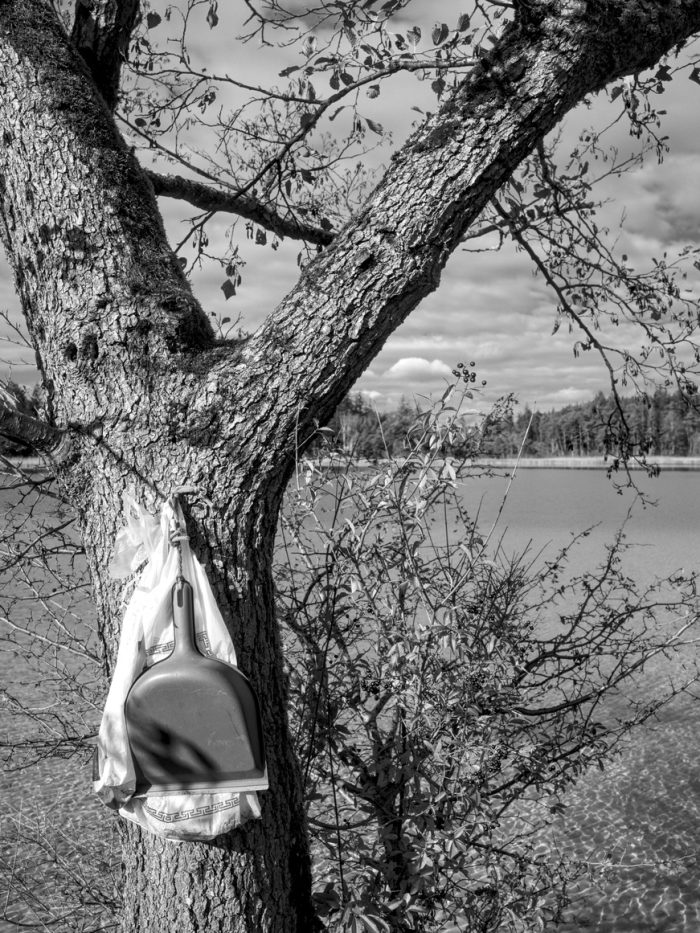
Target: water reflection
column 643, row 813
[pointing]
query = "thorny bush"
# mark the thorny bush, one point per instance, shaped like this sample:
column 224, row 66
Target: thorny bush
column 59, row 858
column 444, row 695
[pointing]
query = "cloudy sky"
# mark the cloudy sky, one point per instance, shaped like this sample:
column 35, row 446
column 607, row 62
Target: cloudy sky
column 489, row 308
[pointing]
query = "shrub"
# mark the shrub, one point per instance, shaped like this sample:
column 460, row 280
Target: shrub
column 444, row 696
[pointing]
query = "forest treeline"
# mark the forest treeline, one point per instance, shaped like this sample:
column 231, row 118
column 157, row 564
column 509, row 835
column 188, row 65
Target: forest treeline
column 658, row 424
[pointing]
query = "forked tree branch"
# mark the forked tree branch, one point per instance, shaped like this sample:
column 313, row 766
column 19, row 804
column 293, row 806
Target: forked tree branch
column 209, row 198
column 353, row 295
column 101, row 33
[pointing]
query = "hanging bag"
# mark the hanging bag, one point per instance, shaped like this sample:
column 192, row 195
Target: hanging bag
column 167, row 779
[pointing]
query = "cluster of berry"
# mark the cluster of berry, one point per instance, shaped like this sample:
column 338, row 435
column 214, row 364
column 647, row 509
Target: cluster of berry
column 467, row 375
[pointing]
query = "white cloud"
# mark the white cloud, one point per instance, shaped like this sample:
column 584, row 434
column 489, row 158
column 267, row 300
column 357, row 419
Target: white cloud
column 417, row 369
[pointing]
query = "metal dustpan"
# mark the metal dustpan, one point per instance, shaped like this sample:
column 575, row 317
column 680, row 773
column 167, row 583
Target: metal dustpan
column 193, row 722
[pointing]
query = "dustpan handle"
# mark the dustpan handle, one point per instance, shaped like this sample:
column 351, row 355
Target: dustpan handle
column 183, row 618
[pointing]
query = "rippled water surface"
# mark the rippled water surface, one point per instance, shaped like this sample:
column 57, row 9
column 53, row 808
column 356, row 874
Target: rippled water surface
column 640, row 819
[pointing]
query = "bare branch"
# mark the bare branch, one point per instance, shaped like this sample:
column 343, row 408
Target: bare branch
column 101, row 33
column 209, row 198
column 602, row 349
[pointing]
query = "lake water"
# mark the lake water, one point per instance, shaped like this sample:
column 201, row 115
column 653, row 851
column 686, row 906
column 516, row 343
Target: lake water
column 547, row 506
column 641, row 817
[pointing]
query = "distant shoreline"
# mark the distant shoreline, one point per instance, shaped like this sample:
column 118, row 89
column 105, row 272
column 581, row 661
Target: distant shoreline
column 585, row 463
column 28, row 464
column 553, row 463
column 36, row 464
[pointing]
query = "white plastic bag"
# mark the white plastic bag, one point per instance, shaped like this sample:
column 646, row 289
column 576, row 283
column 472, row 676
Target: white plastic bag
column 147, row 637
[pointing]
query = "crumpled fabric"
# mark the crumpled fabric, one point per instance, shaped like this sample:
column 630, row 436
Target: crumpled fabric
column 147, row 637
column 136, row 541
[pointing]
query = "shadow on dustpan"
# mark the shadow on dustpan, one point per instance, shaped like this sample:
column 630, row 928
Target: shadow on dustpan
column 193, row 722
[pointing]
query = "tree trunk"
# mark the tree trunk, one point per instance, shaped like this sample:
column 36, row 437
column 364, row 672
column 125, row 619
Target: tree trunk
column 145, row 398
column 256, row 878
column 117, row 329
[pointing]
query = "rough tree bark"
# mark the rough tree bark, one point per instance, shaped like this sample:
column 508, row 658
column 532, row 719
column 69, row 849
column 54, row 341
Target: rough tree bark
column 143, row 396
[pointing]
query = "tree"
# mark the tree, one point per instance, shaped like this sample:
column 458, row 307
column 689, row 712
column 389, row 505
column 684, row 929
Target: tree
column 356, row 428
column 138, row 389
